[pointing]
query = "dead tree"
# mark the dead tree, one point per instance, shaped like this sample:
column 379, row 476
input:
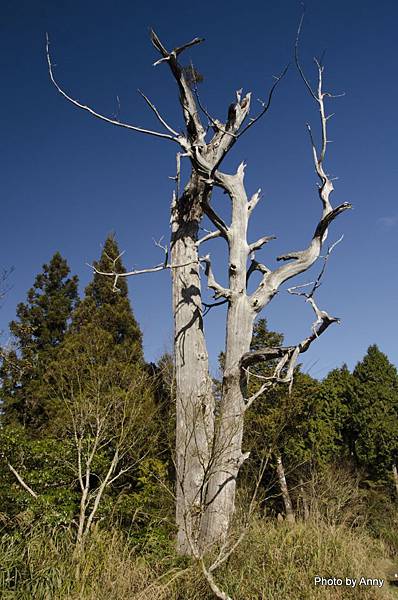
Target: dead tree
column 209, row 434
column 289, row 511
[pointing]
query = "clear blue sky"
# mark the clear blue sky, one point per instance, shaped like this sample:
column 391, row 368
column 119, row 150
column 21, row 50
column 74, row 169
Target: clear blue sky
column 68, row 179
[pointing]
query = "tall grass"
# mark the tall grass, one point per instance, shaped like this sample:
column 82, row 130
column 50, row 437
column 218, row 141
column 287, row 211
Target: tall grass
column 274, row 562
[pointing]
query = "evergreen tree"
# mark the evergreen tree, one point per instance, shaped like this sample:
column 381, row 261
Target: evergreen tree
column 97, row 399
column 330, row 426
column 40, row 327
column 107, row 309
column 375, row 414
column 103, row 329
column 103, row 400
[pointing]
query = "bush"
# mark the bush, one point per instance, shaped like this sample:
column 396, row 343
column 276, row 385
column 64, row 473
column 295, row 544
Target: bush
column 382, row 519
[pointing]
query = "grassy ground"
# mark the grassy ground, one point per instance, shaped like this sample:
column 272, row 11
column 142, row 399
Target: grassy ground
column 274, row 562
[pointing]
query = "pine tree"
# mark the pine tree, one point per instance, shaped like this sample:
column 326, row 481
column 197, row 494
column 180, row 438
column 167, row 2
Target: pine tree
column 39, row 329
column 107, row 309
column 375, row 414
column 103, row 329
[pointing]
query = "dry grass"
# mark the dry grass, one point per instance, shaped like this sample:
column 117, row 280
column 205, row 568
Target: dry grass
column 274, row 562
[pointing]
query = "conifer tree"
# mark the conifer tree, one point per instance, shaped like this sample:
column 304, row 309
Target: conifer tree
column 103, row 330
column 40, row 327
column 330, row 427
column 375, row 414
column 103, row 400
column 110, row 309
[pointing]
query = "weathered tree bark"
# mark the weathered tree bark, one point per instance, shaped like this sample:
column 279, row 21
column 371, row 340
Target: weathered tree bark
column 395, row 477
column 290, row 518
column 227, row 448
column 194, row 393
column 227, row 456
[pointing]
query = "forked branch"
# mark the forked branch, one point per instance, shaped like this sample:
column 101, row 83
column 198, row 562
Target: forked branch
column 195, row 130
column 287, row 356
column 326, row 187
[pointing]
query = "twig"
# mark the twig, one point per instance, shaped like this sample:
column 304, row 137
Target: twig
column 267, row 104
column 158, row 115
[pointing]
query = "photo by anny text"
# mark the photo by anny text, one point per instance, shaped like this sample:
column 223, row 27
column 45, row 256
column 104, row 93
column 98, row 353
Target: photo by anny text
column 348, row 581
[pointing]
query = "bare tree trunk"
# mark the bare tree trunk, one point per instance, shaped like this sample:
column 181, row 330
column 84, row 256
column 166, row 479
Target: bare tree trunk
column 304, row 498
column 194, row 394
column 82, row 515
column 284, row 490
column 227, row 449
column 395, row 476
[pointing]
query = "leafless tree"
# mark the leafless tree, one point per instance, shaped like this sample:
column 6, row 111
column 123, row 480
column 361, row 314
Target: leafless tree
column 106, row 411
column 209, row 432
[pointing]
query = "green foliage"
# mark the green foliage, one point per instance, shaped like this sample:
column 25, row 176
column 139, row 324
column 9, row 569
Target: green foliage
column 76, row 391
column 279, row 422
column 102, row 395
column 39, row 329
column 44, row 464
column 107, row 309
column 86, row 373
column 375, row 414
column 329, row 427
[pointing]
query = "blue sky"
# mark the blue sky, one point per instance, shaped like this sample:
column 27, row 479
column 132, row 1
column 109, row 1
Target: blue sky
column 69, row 179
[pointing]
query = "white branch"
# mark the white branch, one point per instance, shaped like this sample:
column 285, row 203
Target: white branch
column 301, row 261
column 21, row 480
column 194, row 126
column 256, row 266
column 261, row 242
column 254, row 200
column 95, row 113
column 219, row 290
column 288, row 356
column 157, row 268
column 218, row 592
column 158, row 115
column 209, row 236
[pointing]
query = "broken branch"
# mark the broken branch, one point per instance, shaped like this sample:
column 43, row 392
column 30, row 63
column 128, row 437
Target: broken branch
column 219, row 290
